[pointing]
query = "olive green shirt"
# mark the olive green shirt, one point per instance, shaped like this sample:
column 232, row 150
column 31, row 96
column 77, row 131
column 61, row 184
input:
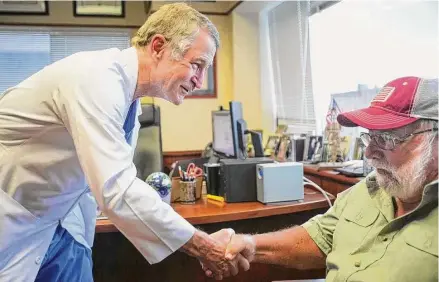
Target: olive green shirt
column 363, row 241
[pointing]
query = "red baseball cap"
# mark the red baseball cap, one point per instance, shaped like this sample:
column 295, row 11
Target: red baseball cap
column 399, row 103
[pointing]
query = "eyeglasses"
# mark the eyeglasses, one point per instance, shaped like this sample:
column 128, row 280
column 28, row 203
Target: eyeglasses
column 386, row 141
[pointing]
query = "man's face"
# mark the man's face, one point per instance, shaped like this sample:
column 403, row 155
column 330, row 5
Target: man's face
column 402, row 171
column 175, row 79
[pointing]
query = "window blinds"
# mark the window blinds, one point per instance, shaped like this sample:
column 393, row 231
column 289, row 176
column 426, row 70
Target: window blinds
column 24, row 50
column 288, row 32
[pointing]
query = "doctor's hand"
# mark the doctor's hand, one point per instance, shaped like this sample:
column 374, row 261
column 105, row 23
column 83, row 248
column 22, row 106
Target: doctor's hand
column 238, row 261
column 210, row 251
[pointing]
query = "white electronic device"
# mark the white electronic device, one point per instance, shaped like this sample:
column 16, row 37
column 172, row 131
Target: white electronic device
column 279, row 182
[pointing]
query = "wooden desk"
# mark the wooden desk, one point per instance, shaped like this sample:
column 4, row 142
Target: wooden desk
column 116, row 259
column 330, row 180
column 207, row 211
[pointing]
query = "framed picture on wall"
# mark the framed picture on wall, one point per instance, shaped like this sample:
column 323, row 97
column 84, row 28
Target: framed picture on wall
column 208, row 90
column 13, row 7
column 84, row 8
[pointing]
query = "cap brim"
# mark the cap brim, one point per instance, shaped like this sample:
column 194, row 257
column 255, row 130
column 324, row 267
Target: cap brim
column 373, row 118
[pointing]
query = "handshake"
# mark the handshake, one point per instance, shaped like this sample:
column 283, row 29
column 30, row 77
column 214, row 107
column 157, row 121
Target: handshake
column 223, row 253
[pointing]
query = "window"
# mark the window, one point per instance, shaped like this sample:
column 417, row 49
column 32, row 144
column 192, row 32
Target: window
column 289, row 48
column 358, row 46
column 24, row 51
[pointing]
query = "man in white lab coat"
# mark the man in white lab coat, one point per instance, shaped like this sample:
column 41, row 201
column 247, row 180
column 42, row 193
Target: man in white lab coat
column 66, row 139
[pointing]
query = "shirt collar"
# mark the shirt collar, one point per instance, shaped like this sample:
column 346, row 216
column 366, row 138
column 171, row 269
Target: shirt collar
column 130, row 66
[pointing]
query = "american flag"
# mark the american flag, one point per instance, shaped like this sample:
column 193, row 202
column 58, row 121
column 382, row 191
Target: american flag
column 384, row 93
column 333, row 112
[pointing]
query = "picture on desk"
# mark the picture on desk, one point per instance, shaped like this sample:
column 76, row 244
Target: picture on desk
column 358, row 149
column 272, row 142
column 313, row 148
column 282, row 148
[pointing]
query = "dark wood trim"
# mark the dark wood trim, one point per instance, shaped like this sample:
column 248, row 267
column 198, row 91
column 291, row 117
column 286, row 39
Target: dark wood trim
column 214, row 14
column 206, row 13
column 182, row 153
column 70, row 25
column 234, row 7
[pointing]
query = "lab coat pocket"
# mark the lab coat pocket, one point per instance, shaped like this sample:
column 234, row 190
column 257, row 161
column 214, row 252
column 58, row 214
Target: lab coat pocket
column 353, row 227
column 14, row 211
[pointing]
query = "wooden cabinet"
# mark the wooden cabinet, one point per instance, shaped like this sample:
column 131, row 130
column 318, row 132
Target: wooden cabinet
column 330, row 181
column 170, row 157
column 116, row 259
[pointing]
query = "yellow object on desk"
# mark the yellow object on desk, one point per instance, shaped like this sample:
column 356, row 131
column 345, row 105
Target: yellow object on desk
column 215, row 198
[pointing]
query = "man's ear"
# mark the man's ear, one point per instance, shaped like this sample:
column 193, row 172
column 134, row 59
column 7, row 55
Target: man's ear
column 157, row 46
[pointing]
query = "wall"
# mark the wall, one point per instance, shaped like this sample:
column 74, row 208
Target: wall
column 186, row 127
column 189, row 125
column 246, row 87
column 61, row 13
column 252, row 84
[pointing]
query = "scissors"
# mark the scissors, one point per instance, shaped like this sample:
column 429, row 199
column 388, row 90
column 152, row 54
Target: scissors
column 194, row 171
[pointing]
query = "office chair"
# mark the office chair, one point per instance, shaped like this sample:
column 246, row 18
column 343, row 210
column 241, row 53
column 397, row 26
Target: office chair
column 148, row 156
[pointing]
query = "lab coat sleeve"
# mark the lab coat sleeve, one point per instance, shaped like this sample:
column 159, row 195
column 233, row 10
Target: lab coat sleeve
column 93, row 109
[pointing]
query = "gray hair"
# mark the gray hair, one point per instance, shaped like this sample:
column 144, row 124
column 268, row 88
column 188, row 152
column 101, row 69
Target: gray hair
column 179, row 24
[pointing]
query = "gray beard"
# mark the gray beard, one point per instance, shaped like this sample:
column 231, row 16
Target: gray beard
column 407, row 181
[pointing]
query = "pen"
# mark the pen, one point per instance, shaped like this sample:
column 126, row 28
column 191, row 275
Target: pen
column 179, row 171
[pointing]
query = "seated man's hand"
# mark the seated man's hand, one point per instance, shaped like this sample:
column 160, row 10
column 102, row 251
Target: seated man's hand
column 235, row 261
column 241, row 244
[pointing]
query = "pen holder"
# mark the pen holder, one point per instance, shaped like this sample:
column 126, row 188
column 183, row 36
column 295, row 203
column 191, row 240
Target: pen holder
column 187, row 192
column 199, row 187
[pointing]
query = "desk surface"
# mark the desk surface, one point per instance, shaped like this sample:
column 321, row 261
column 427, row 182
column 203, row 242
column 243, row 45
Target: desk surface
column 331, row 174
column 209, row 211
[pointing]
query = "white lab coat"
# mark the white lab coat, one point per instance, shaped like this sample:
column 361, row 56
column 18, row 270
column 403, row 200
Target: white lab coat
column 60, row 129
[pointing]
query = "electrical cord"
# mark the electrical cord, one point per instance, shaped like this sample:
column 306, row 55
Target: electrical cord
column 309, row 182
column 325, row 194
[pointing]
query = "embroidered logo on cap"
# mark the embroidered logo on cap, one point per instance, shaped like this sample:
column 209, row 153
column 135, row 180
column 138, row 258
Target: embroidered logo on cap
column 384, row 94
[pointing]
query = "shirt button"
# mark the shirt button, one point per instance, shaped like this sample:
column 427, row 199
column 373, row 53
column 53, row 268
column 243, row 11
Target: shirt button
column 38, row 260
column 357, row 264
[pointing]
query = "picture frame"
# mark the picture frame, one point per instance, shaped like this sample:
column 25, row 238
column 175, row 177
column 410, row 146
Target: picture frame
column 283, row 148
column 11, row 7
column 359, row 149
column 271, row 145
column 313, row 149
column 84, row 8
column 281, row 128
column 209, row 88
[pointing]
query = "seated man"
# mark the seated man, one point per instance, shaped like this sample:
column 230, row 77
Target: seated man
column 385, row 227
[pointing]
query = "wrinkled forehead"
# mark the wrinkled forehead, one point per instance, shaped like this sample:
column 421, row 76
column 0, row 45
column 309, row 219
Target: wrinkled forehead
column 207, row 54
column 203, row 48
